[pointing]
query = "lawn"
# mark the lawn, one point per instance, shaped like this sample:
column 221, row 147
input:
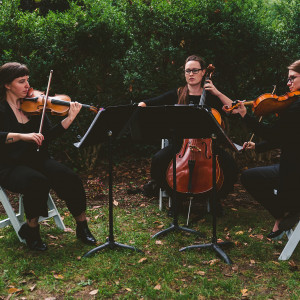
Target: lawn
column 161, row 271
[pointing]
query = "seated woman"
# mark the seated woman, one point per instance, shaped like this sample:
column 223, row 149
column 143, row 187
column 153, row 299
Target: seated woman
column 261, row 182
column 194, row 69
column 33, row 173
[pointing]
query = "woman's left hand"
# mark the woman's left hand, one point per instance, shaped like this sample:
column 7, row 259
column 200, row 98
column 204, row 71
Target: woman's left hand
column 75, row 108
column 209, row 86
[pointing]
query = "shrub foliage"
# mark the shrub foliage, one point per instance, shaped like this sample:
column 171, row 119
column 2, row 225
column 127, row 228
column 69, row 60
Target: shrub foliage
column 110, row 52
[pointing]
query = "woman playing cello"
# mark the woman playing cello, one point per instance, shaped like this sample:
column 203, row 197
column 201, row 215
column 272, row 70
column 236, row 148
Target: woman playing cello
column 284, row 177
column 194, row 70
column 25, row 170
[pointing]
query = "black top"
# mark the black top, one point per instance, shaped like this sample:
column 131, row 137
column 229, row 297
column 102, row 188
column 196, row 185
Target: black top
column 283, row 134
column 15, row 153
column 171, row 98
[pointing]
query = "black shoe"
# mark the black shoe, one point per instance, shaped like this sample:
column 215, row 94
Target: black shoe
column 83, row 233
column 275, row 235
column 32, row 237
column 151, row 189
column 289, row 221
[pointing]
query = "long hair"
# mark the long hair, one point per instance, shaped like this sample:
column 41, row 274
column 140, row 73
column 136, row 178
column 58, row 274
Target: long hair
column 9, row 72
column 295, row 66
column 183, row 92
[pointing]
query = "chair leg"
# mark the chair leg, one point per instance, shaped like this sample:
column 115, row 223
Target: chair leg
column 291, row 244
column 17, row 219
column 13, row 219
column 53, row 211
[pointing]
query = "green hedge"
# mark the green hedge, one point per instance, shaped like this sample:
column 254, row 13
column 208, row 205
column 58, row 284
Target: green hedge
column 108, row 52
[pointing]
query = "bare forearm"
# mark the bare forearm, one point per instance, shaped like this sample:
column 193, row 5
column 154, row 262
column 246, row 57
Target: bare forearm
column 13, row 137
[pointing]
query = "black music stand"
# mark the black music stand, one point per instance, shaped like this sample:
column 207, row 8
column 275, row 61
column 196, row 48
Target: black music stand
column 108, row 123
column 183, row 122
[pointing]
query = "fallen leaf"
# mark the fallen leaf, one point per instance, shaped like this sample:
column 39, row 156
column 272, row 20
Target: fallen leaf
column 58, row 276
column 157, row 287
column 128, row 289
column 68, row 229
column 244, row 293
column 202, row 273
column 252, row 261
column 260, row 236
column 14, row 290
column 116, row 203
column 158, row 242
column 94, row 292
column 32, row 288
column 52, row 237
column 142, row 260
column 239, row 232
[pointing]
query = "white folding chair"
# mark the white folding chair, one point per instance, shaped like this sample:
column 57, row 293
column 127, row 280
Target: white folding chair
column 293, row 240
column 17, row 219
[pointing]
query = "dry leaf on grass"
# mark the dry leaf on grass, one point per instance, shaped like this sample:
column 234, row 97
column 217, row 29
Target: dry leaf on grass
column 142, row 260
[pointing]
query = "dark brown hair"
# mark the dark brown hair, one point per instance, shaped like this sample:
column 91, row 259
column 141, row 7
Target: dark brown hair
column 183, row 92
column 9, row 72
column 295, row 66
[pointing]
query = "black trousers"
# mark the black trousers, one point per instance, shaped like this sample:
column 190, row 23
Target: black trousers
column 260, row 182
column 162, row 159
column 35, row 179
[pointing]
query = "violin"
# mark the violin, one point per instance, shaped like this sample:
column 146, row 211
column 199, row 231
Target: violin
column 267, row 103
column 58, row 105
column 194, row 169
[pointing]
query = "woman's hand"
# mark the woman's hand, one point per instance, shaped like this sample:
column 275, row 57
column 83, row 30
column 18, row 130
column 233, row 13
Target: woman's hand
column 209, row 86
column 240, row 109
column 75, row 108
column 249, row 146
column 142, row 104
column 33, row 137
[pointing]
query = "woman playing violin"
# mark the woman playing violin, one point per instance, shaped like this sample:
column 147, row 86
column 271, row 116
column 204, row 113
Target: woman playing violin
column 33, row 173
column 283, row 177
column 194, row 70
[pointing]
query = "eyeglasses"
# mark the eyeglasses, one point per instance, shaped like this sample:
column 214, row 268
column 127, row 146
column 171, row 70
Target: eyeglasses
column 194, row 71
column 292, row 78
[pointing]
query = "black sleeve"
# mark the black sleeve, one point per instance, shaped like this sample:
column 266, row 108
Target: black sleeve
column 168, row 98
column 52, row 132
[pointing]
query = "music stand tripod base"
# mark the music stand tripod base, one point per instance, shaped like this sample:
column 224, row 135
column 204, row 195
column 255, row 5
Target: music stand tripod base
column 176, row 227
column 111, row 245
column 215, row 247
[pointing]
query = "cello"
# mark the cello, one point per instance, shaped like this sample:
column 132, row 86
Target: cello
column 194, row 170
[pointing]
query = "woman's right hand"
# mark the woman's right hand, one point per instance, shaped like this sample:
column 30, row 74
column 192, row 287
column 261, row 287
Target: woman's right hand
column 249, row 146
column 32, row 138
column 142, row 104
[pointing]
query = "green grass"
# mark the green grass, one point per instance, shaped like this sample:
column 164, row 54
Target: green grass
column 166, row 273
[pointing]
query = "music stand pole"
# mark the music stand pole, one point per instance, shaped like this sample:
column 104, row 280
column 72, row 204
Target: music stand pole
column 110, row 240
column 174, row 226
column 215, row 245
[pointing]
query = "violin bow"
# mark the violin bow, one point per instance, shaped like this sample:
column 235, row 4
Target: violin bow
column 45, row 104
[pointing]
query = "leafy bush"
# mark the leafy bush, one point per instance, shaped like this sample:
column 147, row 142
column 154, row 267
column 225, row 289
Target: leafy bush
column 113, row 52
